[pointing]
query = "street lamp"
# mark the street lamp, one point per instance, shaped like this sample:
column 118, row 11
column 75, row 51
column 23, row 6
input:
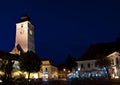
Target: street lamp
column 64, row 73
column 64, row 69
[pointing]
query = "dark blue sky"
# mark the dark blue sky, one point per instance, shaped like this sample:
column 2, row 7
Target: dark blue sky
column 62, row 27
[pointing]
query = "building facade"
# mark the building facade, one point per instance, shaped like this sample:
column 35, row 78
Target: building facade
column 114, row 69
column 86, row 65
column 24, row 41
column 48, row 70
column 89, row 69
column 24, row 36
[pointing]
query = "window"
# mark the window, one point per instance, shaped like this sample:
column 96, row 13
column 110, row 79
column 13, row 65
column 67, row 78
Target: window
column 81, row 65
column 21, row 25
column 46, row 69
column 88, row 65
column 117, row 60
column 112, row 62
column 29, row 26
column 95, row 64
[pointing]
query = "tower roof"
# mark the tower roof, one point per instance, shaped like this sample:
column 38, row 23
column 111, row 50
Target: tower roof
column 24, row 18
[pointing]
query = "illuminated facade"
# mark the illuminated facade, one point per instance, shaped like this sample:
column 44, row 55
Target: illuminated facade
column 25, row 42
column 48, row 70
column 24, row 36
column 86, row 65
column 88, row 69
column 114, row 69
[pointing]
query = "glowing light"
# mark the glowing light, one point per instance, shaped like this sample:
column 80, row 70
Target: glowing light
column 64, row 69
column 0, row 81
column 79, row 69
column 35, row 75
column 69, row 71
column 17, row 73
column 1, row 73
column 116, row 77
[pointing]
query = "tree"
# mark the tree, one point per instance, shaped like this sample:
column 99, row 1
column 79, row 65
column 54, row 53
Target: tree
column 70, row 63
column 103, row 61
column 6, row 64
column 29, row 62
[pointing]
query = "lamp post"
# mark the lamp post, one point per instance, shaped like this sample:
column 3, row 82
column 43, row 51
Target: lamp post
column 64, row 73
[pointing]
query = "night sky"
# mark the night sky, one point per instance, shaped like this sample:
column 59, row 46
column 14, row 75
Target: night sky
column 62, row 27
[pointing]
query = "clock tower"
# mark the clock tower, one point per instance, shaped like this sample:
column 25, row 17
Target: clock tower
column 25, row 34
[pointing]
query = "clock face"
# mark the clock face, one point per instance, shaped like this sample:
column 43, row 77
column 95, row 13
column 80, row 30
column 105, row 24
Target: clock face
column 21, row 31
column 30, row 32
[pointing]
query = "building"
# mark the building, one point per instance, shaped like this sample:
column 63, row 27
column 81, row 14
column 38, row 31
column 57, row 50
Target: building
column 88, row 69
column 87, row 65
column 24, row 40
column 114, row 69
column 48, row 70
